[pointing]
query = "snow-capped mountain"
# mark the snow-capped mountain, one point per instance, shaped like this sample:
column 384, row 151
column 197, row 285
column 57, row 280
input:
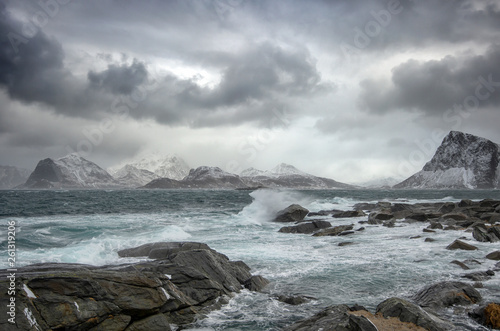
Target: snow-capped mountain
column 287, row 176
column 202, row 177
column 71, row 171
column 130, row 176
column 169, row 166
column 11, row 177
column 386, row 182
column 461, row 161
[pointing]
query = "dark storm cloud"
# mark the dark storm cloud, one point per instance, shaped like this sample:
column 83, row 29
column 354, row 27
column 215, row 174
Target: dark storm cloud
column 121, row 79
column 435, row 86
column 31, row 70
column 250, row 90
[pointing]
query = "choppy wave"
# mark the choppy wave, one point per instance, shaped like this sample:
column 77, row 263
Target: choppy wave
column 381, row 263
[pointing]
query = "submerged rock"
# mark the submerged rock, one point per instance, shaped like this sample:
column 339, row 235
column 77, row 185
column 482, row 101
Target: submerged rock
column 308, row 227
column 292, row 213
column 335, row 231
column 188, row 280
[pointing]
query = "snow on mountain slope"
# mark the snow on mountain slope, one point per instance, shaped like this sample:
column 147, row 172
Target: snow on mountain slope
column 130, row 176
column 461, row 161
column 71, row 171
column 287, row 176
column 169, row 166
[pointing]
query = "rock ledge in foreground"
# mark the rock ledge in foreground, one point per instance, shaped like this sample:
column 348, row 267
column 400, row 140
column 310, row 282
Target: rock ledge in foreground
column 185, row 282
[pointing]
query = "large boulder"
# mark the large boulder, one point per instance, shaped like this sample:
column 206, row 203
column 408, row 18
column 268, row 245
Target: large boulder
column 334, row 318
column 447, row 294
column 181, row 285
column 409, row 312
column 309, row 227
column 292, row 213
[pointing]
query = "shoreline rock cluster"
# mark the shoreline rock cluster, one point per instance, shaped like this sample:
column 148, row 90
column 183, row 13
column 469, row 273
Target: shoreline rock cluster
column 181, row 282
column 422, row 311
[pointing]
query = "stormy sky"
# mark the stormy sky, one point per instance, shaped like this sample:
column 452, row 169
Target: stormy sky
column 346, row 89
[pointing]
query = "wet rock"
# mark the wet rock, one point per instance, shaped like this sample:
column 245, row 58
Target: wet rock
column 460, row 264
column 479, row 275
column 487, row 315
column 467, row 203
column 446, row 294
column 349, row 213
column 458, row 244
column 447, row 207
column 415, row 237
column 346, row 233
column 435, row 225
column 335, row 231
column 494, row 256
column 389, row 224
column 294, row 300
column 345, row 243
column 160, row 250
column 379, row 217
column 455, row 216
column 428, row 231
column 156, row 322
column 482, row 234
column 494, row 233
column 309, row 227
column 324, row 212
column 333, row 318
column 361, row 229
column 429, row 240
column 365, row 206
column 292, row 213
column 422, row 217
column 489, row 203
column 256, row 283
column 491, row 218
column 409, row 312
column 188, row 279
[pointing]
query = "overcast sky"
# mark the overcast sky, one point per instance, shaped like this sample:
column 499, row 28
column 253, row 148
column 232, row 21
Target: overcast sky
column 350, row 90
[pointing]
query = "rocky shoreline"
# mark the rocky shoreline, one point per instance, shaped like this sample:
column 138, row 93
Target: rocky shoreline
column 421, row 311
column 176, row 283
column 181, row 282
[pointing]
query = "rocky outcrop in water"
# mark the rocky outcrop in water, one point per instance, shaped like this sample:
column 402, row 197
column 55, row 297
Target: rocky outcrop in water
column 186, row 281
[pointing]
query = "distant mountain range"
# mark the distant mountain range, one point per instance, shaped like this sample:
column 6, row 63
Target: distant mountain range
column 140, row 172
column 462, row 161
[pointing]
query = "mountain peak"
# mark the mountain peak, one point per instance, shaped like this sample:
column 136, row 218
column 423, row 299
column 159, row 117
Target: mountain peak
column 461, row 161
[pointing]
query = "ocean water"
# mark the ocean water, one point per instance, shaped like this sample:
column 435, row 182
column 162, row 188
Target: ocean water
column 91, row 226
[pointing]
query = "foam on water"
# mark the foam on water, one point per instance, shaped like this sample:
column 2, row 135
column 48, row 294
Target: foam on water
column 381, row 263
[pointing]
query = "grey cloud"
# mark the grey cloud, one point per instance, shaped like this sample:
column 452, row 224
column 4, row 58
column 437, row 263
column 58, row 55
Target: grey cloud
column 254, row 83
column 434, row 86
column 119, row 79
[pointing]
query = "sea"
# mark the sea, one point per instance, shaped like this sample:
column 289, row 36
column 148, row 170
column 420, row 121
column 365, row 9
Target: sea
column 90, row 226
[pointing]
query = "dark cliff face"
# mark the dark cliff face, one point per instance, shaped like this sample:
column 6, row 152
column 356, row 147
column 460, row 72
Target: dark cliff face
column 479, row 157
column 46, row 172
column 463, row 150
